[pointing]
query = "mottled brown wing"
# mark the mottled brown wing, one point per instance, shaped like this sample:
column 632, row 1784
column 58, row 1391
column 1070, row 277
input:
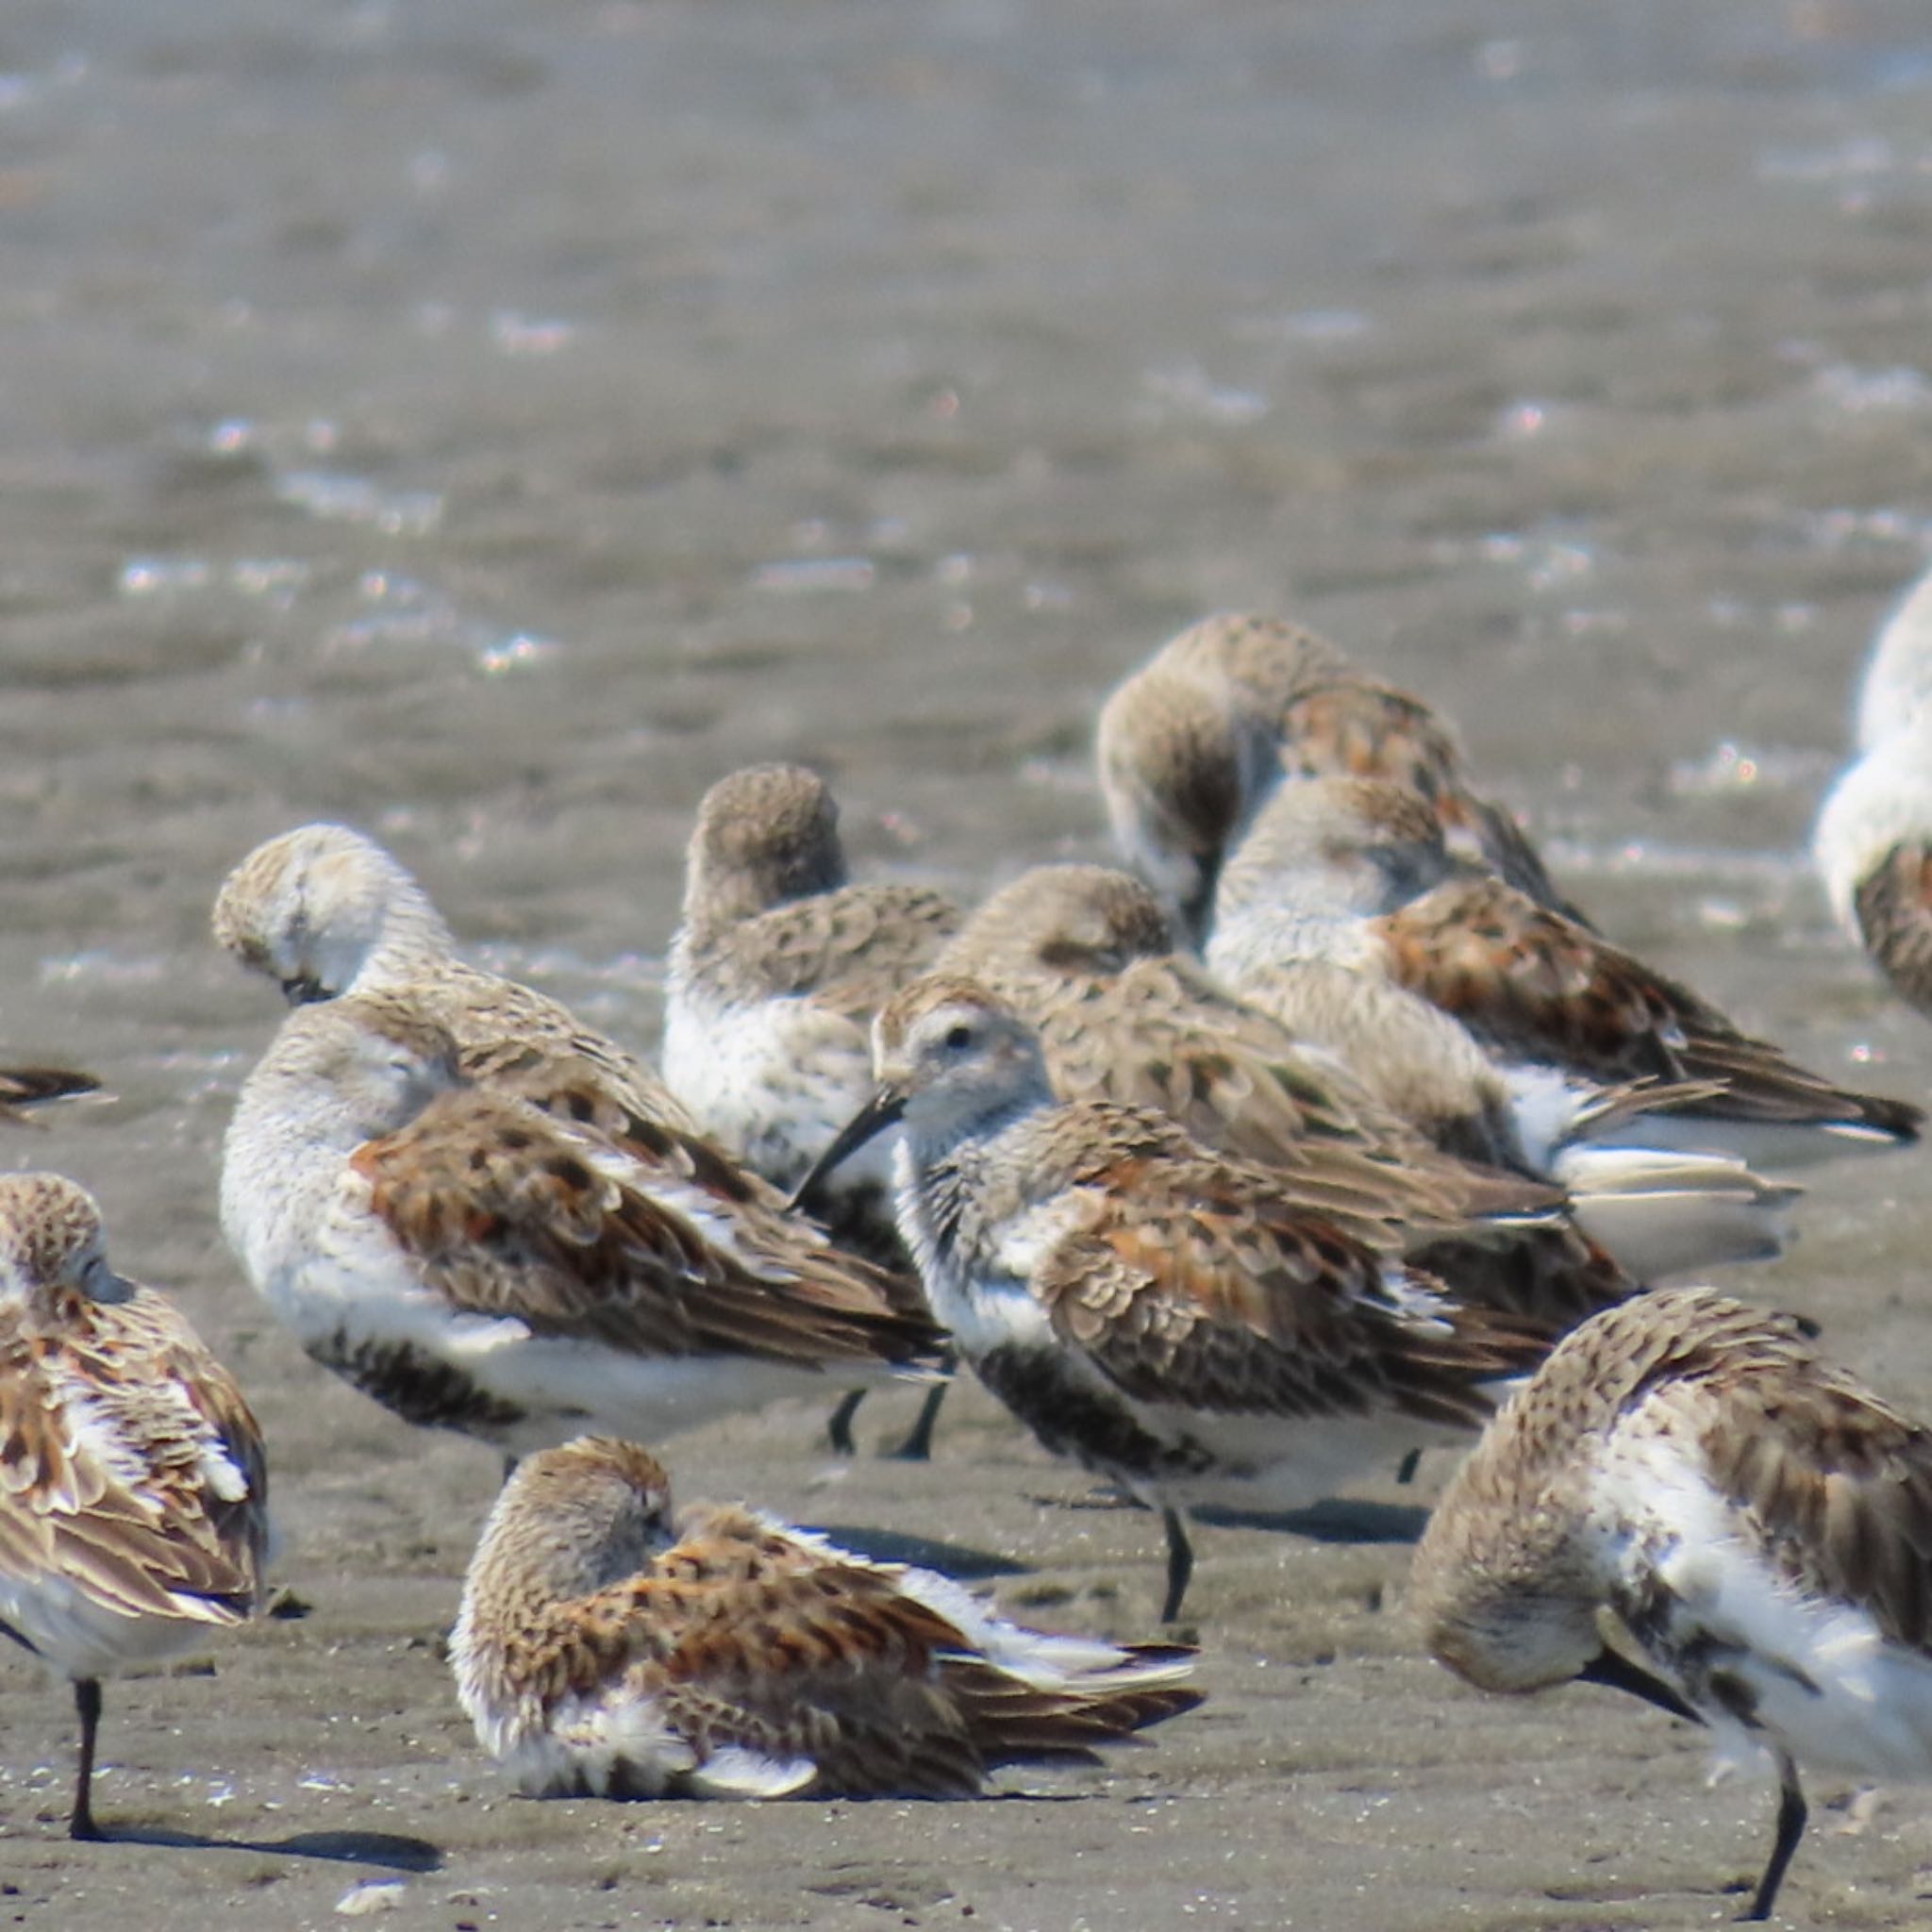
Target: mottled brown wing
column 506, row 1209
column 123, row 1380
column 1839, row 1479
column 1156, row 1038
column 752, row 1637
column 1357, row 729
column 1196, row 1284
column 1529, row 981
column 1894, row 909
column 507, row 1033
column 757, row 1642
column 851, row 949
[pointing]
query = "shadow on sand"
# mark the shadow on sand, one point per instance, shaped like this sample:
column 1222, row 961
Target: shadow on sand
column 960, row 1560
column 388, row 1849
column 1340, row 1520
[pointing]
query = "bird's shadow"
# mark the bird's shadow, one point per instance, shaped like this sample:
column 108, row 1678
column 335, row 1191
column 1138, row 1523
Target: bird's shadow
column 961, row 1561
column 388, row 1849
column 1340, row 1520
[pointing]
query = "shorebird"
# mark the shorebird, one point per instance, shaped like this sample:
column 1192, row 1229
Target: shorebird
column 325, row 910
column 1353, row 872
column 1897, row 682
column 1755, row 1520
column 1191, row 744
column 775, row 972
column 1085, row 955
column 607, row 1647
column 21, row 1088
column 1179, row 1321
column 1874, row 849
column 134, row 1497
column 519, row 1266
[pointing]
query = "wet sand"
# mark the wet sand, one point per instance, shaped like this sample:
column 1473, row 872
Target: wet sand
column 491, row 423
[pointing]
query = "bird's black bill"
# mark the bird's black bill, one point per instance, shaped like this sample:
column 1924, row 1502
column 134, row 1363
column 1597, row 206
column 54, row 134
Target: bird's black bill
column 304, row 992
column 867, row 1124
column 1620, row 1674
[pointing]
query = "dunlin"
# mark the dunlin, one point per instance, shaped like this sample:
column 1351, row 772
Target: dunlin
column 1355, row 872
column 777, row 967
column 325, row 910
column 1085, row 955
column 476, row 1261
column 1661, row 1211
column 1180, row 1321
column 607, row 1647
column 1874, row 849
column 134, row 1497
column 1758, row 1522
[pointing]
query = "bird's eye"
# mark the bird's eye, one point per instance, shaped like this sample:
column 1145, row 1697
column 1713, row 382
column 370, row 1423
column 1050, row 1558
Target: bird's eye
column 958, row 1038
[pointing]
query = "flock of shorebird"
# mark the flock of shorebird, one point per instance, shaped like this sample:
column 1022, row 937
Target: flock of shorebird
column 1329, row 1135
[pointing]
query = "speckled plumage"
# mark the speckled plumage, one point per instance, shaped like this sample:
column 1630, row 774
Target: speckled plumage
column 1085, row 955
column 519, row 1262
column 776, row 969
column 1354, row 871
column 1178, row 1321
column 1757, row 1520
column 133, row 1485
column 605, row 1646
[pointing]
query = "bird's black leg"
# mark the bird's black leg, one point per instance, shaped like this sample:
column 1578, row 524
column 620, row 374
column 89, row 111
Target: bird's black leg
column 1406, row 1470
column 839, row 1429
column 917, row 1447
column 87, row 1701
column 1180, row 1563
column 1792, row 1814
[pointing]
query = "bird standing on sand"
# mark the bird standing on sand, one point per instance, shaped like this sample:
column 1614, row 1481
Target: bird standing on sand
column 1758, row 1522
column 776, row 969
column 1177, row 1322
column 133, row 1498
column 519, row 1268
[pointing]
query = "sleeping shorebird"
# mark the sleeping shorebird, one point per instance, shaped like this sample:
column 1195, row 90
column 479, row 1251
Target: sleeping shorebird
column 21, row 1088
column 607, row 1647
column 776, row 970
column 1085, row 955
column 1355, row 872
column 777, row 967
column 134, row 1497
column 1193, row 744
column 1179, row 1321
column 521, row 1267
column 325, row 910
column 1756, row 1521
column 1874, row 849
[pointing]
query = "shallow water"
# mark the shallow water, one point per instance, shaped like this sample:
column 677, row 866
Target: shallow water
column 491, row 423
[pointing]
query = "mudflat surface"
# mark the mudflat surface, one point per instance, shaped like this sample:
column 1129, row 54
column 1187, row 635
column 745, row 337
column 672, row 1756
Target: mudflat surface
column 491, row 422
